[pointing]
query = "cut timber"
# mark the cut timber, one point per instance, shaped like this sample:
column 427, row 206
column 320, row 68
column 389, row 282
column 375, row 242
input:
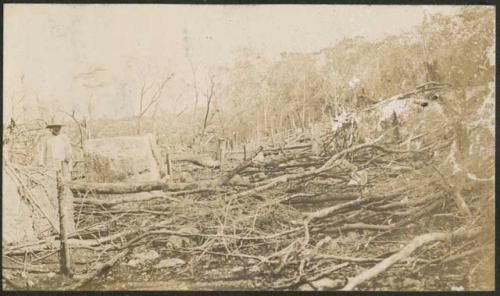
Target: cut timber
column 121, row 188
column 201, row 160
column 416, row 243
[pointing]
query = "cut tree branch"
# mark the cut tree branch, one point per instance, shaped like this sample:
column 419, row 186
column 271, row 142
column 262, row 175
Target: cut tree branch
column 121, row 188
column 416, row 243
column 241, row 167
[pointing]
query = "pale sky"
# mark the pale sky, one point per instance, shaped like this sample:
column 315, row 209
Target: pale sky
column 48, row 46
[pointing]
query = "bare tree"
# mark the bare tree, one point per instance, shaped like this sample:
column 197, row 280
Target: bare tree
column 209, row 95
column 153, row 99
column 92, row 81
column 193, row 70
column 17, row 101
column 82, row 126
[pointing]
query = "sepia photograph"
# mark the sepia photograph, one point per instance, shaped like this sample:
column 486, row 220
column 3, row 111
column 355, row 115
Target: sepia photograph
column 305, row 147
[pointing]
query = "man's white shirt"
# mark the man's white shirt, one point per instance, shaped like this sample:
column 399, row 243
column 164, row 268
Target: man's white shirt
column 54, row 150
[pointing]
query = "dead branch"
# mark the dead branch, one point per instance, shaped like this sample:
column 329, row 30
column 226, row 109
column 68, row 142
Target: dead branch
column 277, row 150
column 209, row 95
column 13, row 284
column 345, row 258
column 325, row 212
column 457, row 196
column 103, row 269
column 267, row 184
column 316, row 280
column 311, row 279
column 414, row 244
column 235, row 237
column 454, row 257
column 30, row 268
column 30, row 196
column 201, row 160
column 132, row 197
column 363, row 226
column 121, row 188
column 82, row 126
column 154, row 99
column 241, row 167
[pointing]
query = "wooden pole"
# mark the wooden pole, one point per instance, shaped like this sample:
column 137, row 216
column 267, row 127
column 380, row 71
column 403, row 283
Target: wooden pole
column 169, row 164
column 272, row 136
column 217, row 154
column 222, row 151
column 244, row 152
column 221, row 161
column 64, row 255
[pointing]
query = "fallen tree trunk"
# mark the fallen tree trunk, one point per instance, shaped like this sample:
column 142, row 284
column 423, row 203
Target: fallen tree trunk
column 323, row 199
column 121, row 188
column 30, row 268
column 142, row 196
column 201, row 160
column 46, row 245
column 85, row 243
column 416, row 243
column 364, row 226
column 277, row 150
column 132, row 197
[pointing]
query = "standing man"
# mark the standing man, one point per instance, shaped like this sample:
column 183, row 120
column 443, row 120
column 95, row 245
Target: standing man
column 56, row 149
column 55, row 155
